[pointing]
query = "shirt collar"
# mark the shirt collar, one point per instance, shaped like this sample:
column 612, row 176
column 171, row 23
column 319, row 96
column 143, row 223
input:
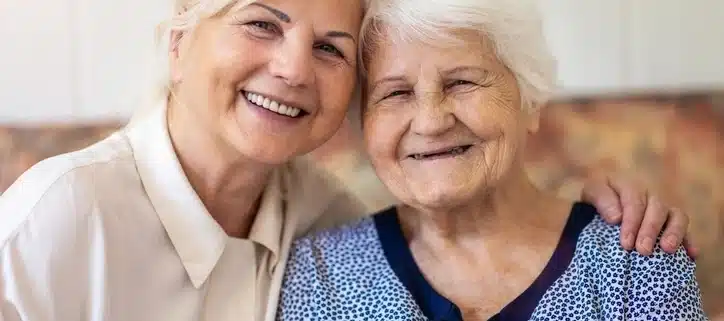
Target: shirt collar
column 197, row 238
column 266, row 229
column 195, row 235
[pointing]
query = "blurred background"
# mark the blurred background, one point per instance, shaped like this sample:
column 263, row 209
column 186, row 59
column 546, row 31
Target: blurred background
column 642, row 94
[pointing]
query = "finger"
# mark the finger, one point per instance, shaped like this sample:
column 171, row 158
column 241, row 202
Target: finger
column 633, row 204
column 655, row 216
column 691, row 250
column 603, row 196
column 675, row 231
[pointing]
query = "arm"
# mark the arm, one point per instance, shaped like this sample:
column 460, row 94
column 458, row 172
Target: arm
column 643, row 216
column 44, row 272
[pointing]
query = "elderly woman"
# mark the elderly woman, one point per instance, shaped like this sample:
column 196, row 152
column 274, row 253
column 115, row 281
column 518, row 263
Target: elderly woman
column 453, row 90
column 188, row 213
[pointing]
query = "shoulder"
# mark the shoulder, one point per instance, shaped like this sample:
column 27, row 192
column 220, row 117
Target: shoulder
column 329, row 258
column 332, row 247
column 343, row 274
column 646, row 282
column 601, row 241
column 58, row 190
column 605, row 280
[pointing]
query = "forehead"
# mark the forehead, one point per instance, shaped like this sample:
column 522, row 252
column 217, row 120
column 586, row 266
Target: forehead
column 402, row 54
column 343, row 15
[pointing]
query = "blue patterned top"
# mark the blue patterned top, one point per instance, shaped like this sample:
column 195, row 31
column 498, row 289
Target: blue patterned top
column 365, row 271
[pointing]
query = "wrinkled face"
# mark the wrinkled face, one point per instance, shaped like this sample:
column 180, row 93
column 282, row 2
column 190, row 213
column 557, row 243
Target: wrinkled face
column 442, row 125
column 271, row 80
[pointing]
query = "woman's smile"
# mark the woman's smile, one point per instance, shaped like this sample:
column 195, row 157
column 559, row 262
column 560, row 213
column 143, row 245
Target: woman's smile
column 441, row 153
column 275, row 106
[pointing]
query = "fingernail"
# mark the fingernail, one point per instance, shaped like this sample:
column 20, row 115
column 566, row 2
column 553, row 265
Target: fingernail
column 628, row 239
column 671, row 241
column 647, row 244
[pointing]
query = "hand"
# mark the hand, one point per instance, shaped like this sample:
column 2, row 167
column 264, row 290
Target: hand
column 642, row 216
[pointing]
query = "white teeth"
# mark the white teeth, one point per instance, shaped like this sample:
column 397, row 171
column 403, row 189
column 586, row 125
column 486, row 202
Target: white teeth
column 272, row 105
column 453, row 151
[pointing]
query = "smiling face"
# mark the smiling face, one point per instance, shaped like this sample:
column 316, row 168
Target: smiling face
column 271, row 80
column 442, row 125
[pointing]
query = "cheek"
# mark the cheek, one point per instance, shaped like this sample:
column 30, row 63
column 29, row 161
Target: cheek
column 335, row 88
column 335, row 96
column 382, row 135
column 495, row 115
column 234, row 68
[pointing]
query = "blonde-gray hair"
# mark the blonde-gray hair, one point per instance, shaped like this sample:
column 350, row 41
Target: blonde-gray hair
column 185, row 16
column 514, row 27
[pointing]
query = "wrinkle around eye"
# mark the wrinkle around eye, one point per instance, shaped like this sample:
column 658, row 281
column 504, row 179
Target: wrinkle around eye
column 394, row 95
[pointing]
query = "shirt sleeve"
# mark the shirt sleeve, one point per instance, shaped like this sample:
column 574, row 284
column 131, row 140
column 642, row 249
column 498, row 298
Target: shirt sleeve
column 664, row 287
column 45, row 247
column 685, row 305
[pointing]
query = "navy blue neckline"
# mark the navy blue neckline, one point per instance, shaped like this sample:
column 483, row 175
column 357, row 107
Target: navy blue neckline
column 438, row 308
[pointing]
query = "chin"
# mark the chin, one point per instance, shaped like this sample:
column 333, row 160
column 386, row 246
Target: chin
column 441, row 197
column 269, row 151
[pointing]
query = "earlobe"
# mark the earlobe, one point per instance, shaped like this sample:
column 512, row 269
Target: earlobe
column 534, row 118
column 174, row 56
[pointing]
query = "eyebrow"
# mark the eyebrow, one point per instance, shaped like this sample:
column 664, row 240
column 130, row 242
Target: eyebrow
column 280, row 14
column 447, row 72
column 385, row 80
column 461, row 69
column 340, row 34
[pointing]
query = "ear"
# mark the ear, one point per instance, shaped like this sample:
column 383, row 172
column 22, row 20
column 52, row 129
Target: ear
column 534, row 114
column 174, row 56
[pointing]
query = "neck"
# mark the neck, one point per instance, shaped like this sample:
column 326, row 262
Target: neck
column 511, row 209
column 229, row 184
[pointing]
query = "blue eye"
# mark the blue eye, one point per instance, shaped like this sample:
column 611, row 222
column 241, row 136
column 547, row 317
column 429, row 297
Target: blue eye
column 330, row 49
column 397, row 93
column 459, row 83
column 264, row 26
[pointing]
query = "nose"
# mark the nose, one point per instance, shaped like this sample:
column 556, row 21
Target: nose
column 292, row 62
column 434, row 117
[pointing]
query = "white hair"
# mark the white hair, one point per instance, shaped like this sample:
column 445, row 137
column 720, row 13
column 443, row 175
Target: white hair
column 184, row 16
column 514, row 27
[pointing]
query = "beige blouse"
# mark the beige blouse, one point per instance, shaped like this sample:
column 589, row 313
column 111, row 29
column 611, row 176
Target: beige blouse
column 116, row 232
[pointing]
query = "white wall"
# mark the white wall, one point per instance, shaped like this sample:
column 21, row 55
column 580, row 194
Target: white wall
column 636, row 45
column 676, row 43
column 588, row 39
column 74, row 60
column 36, row 60
column 86, row 60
